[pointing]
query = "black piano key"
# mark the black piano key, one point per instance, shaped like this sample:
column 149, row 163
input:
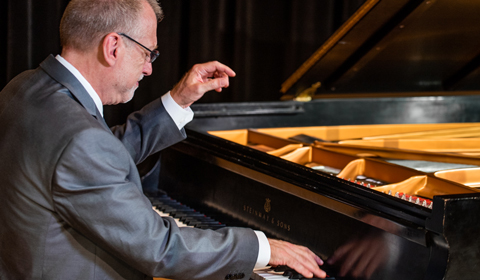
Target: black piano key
column 280, row 268
column 288, row 273
column 190, row 216
column 183, row 213
column 156, row 203
column 296, row 275
column 165, row 200
column 200, row 222
column 198, row 218
column 177, row 209
column 213, row 227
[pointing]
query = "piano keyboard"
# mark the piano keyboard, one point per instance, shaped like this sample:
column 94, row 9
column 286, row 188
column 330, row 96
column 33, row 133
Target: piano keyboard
column 177, row 221
column 279, row 273
column 183, row 215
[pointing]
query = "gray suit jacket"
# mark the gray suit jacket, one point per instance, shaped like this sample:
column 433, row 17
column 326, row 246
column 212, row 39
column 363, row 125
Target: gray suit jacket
column 71, row 202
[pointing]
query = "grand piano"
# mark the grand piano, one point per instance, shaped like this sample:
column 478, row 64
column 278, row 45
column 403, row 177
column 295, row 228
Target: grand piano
column 371, row 157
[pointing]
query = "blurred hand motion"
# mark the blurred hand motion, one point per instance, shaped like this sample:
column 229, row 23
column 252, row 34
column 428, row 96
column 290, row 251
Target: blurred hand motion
column 360, row 258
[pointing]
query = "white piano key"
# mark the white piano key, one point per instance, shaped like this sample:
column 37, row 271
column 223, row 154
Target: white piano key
column 177, row 221
column 267, row 274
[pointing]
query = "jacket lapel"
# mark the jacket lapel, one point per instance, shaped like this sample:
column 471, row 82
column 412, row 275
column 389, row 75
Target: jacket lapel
column 61, row 74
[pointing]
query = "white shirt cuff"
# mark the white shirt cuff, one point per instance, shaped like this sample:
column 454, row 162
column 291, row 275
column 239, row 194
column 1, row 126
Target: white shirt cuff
column 263, row 250
column 179, row 115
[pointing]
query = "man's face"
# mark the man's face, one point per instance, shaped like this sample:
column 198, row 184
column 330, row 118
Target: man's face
column 135, row 64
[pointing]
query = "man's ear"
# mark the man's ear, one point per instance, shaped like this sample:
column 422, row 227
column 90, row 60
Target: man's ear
column 111, row 48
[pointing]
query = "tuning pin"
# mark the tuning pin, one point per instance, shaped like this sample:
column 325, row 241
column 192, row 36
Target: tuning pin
column 389, row 192
column 368, row 185
column 417, row 201
column 404, row 197
column 424, row 203
column 430, row 205
column 396, row 195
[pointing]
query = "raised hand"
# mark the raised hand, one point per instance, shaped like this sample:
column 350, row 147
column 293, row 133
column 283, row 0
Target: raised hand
column 199, row 80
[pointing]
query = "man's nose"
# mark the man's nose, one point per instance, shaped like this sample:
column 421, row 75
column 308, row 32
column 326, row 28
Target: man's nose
column 147, row 69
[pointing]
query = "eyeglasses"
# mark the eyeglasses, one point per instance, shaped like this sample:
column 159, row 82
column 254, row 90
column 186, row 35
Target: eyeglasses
column 153, row 54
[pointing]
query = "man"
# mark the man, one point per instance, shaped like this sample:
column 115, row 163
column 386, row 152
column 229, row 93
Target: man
column 71, row 203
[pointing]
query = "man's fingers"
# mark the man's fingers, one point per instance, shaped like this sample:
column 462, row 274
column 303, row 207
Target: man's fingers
column 307, row 263
column 299, row 258
column 306, row 270
column 199, row 80
column 213, row 68
column 215, row 84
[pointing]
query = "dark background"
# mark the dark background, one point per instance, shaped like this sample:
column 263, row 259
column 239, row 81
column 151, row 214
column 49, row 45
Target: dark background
column 263, row 41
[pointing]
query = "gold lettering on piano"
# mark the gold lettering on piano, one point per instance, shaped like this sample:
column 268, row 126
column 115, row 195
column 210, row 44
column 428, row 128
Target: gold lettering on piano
column 265, row 216
column 267, row 206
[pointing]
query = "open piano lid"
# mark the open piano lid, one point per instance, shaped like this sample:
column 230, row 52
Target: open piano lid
column 397, row 47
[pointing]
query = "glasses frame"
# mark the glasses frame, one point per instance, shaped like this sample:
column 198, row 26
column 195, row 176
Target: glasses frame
column 153, row 54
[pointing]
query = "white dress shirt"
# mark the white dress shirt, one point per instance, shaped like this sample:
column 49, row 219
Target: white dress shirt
column 181, row 117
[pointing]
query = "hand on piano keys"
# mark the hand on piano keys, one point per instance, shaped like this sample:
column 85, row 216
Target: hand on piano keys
column 299, row 258
column 283, row 253
column 280, row 273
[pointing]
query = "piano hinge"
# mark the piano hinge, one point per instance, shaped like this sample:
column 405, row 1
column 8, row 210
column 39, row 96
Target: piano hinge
column 307, row 94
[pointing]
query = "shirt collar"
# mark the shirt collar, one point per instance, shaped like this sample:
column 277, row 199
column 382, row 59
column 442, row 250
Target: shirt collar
column 88, row 87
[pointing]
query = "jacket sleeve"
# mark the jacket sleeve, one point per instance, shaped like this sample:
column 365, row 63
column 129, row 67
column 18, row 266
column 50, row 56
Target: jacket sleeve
column 148, row 131
column 96, row 193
